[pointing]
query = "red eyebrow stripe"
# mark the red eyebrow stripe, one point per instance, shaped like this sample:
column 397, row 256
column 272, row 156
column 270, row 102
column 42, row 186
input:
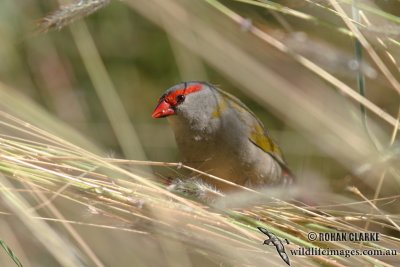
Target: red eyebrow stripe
column 193, row 88
column 171, row 98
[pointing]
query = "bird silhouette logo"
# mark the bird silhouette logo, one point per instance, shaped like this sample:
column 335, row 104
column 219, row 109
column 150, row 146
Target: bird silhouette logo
column 274, row 240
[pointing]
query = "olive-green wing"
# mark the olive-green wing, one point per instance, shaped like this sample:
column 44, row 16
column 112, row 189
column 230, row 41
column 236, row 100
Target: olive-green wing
column 261, row 139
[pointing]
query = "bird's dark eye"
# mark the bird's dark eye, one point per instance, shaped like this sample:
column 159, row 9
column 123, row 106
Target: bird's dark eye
column 180, row 98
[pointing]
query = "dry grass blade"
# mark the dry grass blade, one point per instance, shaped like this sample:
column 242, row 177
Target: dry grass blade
column 67, row 14
column 356, row 191
column 310, row 65
column 392, row 80
column 212, row 229
column 55, row 244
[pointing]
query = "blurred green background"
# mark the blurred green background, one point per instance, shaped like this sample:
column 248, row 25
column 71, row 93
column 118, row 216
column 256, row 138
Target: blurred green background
column 142, row 60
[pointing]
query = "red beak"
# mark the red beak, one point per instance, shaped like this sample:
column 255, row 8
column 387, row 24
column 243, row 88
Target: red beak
column 163, row 109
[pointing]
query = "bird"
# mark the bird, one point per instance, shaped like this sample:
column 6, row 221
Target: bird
column 277, row 242
column 216, row 133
